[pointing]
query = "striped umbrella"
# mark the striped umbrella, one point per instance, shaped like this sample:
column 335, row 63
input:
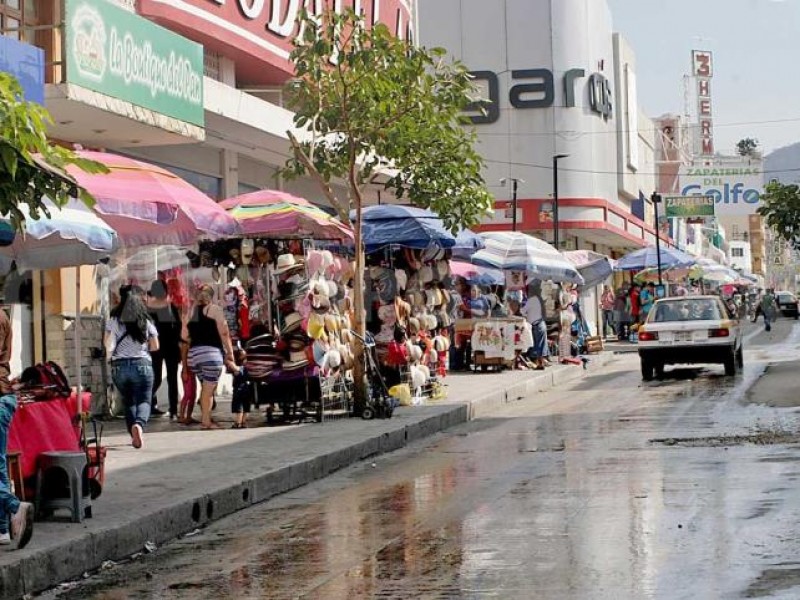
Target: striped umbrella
column 281, row 215
column 646, row 258
column 515, row 251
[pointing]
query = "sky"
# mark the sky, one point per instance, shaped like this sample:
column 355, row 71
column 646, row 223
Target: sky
column 756, row 48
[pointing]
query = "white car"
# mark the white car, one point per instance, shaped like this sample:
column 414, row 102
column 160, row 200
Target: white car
column 690, row 330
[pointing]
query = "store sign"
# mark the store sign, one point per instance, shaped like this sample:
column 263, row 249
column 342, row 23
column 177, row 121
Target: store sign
column 26, row 63
column 736, row 189
column 260, row 33
column 118, row 53
column 703, row 71
column 536, row 88
column 688, row 207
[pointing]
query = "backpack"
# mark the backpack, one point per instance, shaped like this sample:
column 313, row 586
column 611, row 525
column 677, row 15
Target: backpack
column 46, row 381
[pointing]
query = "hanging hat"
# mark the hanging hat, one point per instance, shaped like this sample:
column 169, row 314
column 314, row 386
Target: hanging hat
column 296, row 344
column 415, row 353
column 426, row 274
column 425, row 371
column 402, row 279
column 292, row 322
column 286, row 263
column 413, row 326
column 331, row 323
column 418, row 378
column 247, row 250
column 316, row 326
column 333, row 289
column 314, row 262
column 441, row 343
column 387, row 314
column 327, row 260
column 297, row 360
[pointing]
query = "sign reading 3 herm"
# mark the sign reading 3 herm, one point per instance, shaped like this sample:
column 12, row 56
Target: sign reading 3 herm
column 117, row 53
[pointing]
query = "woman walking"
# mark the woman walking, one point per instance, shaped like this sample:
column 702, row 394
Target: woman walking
column 209, row 349
column 130, row 337
column 167, row 319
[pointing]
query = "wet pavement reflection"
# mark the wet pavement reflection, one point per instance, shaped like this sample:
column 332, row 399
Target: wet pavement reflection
column 589, row 491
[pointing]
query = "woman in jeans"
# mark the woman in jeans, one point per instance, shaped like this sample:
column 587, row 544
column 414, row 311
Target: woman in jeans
column 130, row 338
column 210, row 349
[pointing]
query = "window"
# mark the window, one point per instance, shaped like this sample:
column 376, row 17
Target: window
column 15, row 15
column 737, row 252
column 704, row 309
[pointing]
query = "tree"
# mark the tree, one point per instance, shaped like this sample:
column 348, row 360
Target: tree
column 747, row 147
column 376, row 106
column 780, row 206
column 31, row 168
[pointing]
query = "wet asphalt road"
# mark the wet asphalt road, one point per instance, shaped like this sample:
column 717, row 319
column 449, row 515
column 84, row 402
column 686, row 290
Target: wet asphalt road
column 607, row 488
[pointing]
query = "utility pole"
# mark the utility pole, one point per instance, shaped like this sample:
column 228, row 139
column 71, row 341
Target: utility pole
column 556, row 158
column 655, row 198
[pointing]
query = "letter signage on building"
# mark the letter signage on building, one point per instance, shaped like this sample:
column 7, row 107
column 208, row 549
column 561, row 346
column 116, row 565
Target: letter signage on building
column 258, row 34
column 735, row 187
column 118, row 53
column 26, row 63
column 703, row 71
column 536, row 88
column 688, row 207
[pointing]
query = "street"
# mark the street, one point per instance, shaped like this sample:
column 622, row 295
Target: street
column 605, row 488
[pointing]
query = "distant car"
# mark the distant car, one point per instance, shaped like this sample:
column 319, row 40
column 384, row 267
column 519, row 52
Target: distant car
column 690, row 330
column 787, row 304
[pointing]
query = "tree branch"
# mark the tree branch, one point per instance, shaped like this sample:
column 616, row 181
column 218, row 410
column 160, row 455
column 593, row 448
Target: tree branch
column 344, row 214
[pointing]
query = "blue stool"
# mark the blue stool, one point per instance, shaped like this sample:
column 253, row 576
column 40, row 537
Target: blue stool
column 62, row 482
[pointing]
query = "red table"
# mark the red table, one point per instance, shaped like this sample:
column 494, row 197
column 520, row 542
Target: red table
column 45, row 426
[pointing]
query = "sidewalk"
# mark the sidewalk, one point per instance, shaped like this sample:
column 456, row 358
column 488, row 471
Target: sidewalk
column 184, row 478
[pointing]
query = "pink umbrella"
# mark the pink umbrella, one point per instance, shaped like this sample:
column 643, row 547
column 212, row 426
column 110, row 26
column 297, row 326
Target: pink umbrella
column 148, row 205
column 281, row 215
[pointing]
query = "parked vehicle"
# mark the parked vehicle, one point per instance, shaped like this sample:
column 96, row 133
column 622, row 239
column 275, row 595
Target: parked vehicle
column 787, row 304
column 690, row 330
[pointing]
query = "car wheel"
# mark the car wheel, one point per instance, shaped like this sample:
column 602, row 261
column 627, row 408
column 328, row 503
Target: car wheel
column 740, row 358
column 647, row 370
column 659, row 369
column 730, row 364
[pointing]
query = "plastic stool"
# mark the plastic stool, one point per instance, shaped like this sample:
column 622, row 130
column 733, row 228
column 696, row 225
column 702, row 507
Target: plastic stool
column 14, row 463
column 49, row 496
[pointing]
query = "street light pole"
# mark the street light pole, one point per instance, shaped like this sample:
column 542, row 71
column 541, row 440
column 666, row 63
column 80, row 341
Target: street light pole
column 514, row 204
column 556, row 158
column 656, row 200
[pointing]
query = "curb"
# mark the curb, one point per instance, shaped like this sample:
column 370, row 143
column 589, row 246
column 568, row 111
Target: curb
column 42, row 570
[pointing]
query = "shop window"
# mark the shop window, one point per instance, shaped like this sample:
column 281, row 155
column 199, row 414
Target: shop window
column 16, row 17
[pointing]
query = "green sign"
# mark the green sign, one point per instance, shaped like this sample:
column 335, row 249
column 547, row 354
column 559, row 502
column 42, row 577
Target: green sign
column 688, row 207
column 120, row 54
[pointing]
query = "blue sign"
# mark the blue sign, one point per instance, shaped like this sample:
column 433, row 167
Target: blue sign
column 26, row 63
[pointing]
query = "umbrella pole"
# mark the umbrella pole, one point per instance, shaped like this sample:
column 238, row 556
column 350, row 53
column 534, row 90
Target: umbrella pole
column 77, row 341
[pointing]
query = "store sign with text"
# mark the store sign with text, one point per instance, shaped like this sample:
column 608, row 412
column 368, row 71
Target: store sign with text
column 703, row 71
column 536, row 88
column 258, row 34
column 688, row 207
column 736, row 189
column 119, row 54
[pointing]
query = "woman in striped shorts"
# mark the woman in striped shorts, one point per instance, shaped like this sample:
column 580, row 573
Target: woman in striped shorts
column 208, row 349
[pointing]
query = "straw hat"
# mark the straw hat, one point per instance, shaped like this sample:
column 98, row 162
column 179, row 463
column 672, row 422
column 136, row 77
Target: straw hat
column 331, row 323
column 293, row 322
column 441, row 343
column 316, row 326
column 426, row 274
column 286, row 263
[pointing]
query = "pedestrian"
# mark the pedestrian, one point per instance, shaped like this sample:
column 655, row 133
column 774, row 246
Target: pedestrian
column 607, row 301
column 16, row 518
column 243, row 391
column 209, row 349
column 130, row 338
column 769, row 309
column 647, row 298
column 535, row 313
column 167, row 319
column 566, row 317
column 634, row 307
column 479, row 306
column 621, row 315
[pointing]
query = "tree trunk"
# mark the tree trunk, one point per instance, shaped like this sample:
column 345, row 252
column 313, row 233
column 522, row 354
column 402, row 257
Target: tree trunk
column 359, row 387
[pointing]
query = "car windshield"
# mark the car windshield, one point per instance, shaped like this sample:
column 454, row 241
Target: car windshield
column 701, row 309
column 785, row 297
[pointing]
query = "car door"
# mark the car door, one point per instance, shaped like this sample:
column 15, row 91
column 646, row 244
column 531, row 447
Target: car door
column 735, row 323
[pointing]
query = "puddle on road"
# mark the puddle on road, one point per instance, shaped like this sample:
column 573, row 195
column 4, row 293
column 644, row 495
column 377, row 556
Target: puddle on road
column 761, row 438
column 773, row 580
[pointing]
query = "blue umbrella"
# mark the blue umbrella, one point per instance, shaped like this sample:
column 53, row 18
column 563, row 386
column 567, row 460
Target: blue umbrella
column 407, row 226
column 467, row 243
column 515, row 251
column 646, row 258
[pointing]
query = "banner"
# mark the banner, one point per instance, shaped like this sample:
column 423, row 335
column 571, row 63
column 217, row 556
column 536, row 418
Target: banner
column 120, row 54
column 735, row 186
column 684, row 207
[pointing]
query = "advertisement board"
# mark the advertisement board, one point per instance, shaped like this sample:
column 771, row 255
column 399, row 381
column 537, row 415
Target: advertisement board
column 120, row 54
column 688, row 207
column 735, row 187
column 26, row 63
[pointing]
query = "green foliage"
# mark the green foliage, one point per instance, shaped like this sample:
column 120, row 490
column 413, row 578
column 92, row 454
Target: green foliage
column 781, row 209
column 30, row 167
column 376, row 105
column 747, row 147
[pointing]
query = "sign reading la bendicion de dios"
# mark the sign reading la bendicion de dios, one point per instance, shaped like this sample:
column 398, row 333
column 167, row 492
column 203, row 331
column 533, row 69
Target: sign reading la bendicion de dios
column 120, row 54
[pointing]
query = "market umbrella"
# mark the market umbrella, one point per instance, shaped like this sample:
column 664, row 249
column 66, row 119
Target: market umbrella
column 467, row 243
column 675, row 275
column 710, row 270
column 391, row 224
column 515, row 251
column 144, row 265
column 147, row 205
column 594, row 267
column 281, row 215
column 646, row 258
column 70, row 236
column 475, row 274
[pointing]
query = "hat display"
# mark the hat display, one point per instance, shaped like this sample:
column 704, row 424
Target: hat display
column 426, row 274
column 286, row 263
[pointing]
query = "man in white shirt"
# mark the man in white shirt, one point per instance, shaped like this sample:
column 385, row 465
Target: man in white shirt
column 534, row 313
